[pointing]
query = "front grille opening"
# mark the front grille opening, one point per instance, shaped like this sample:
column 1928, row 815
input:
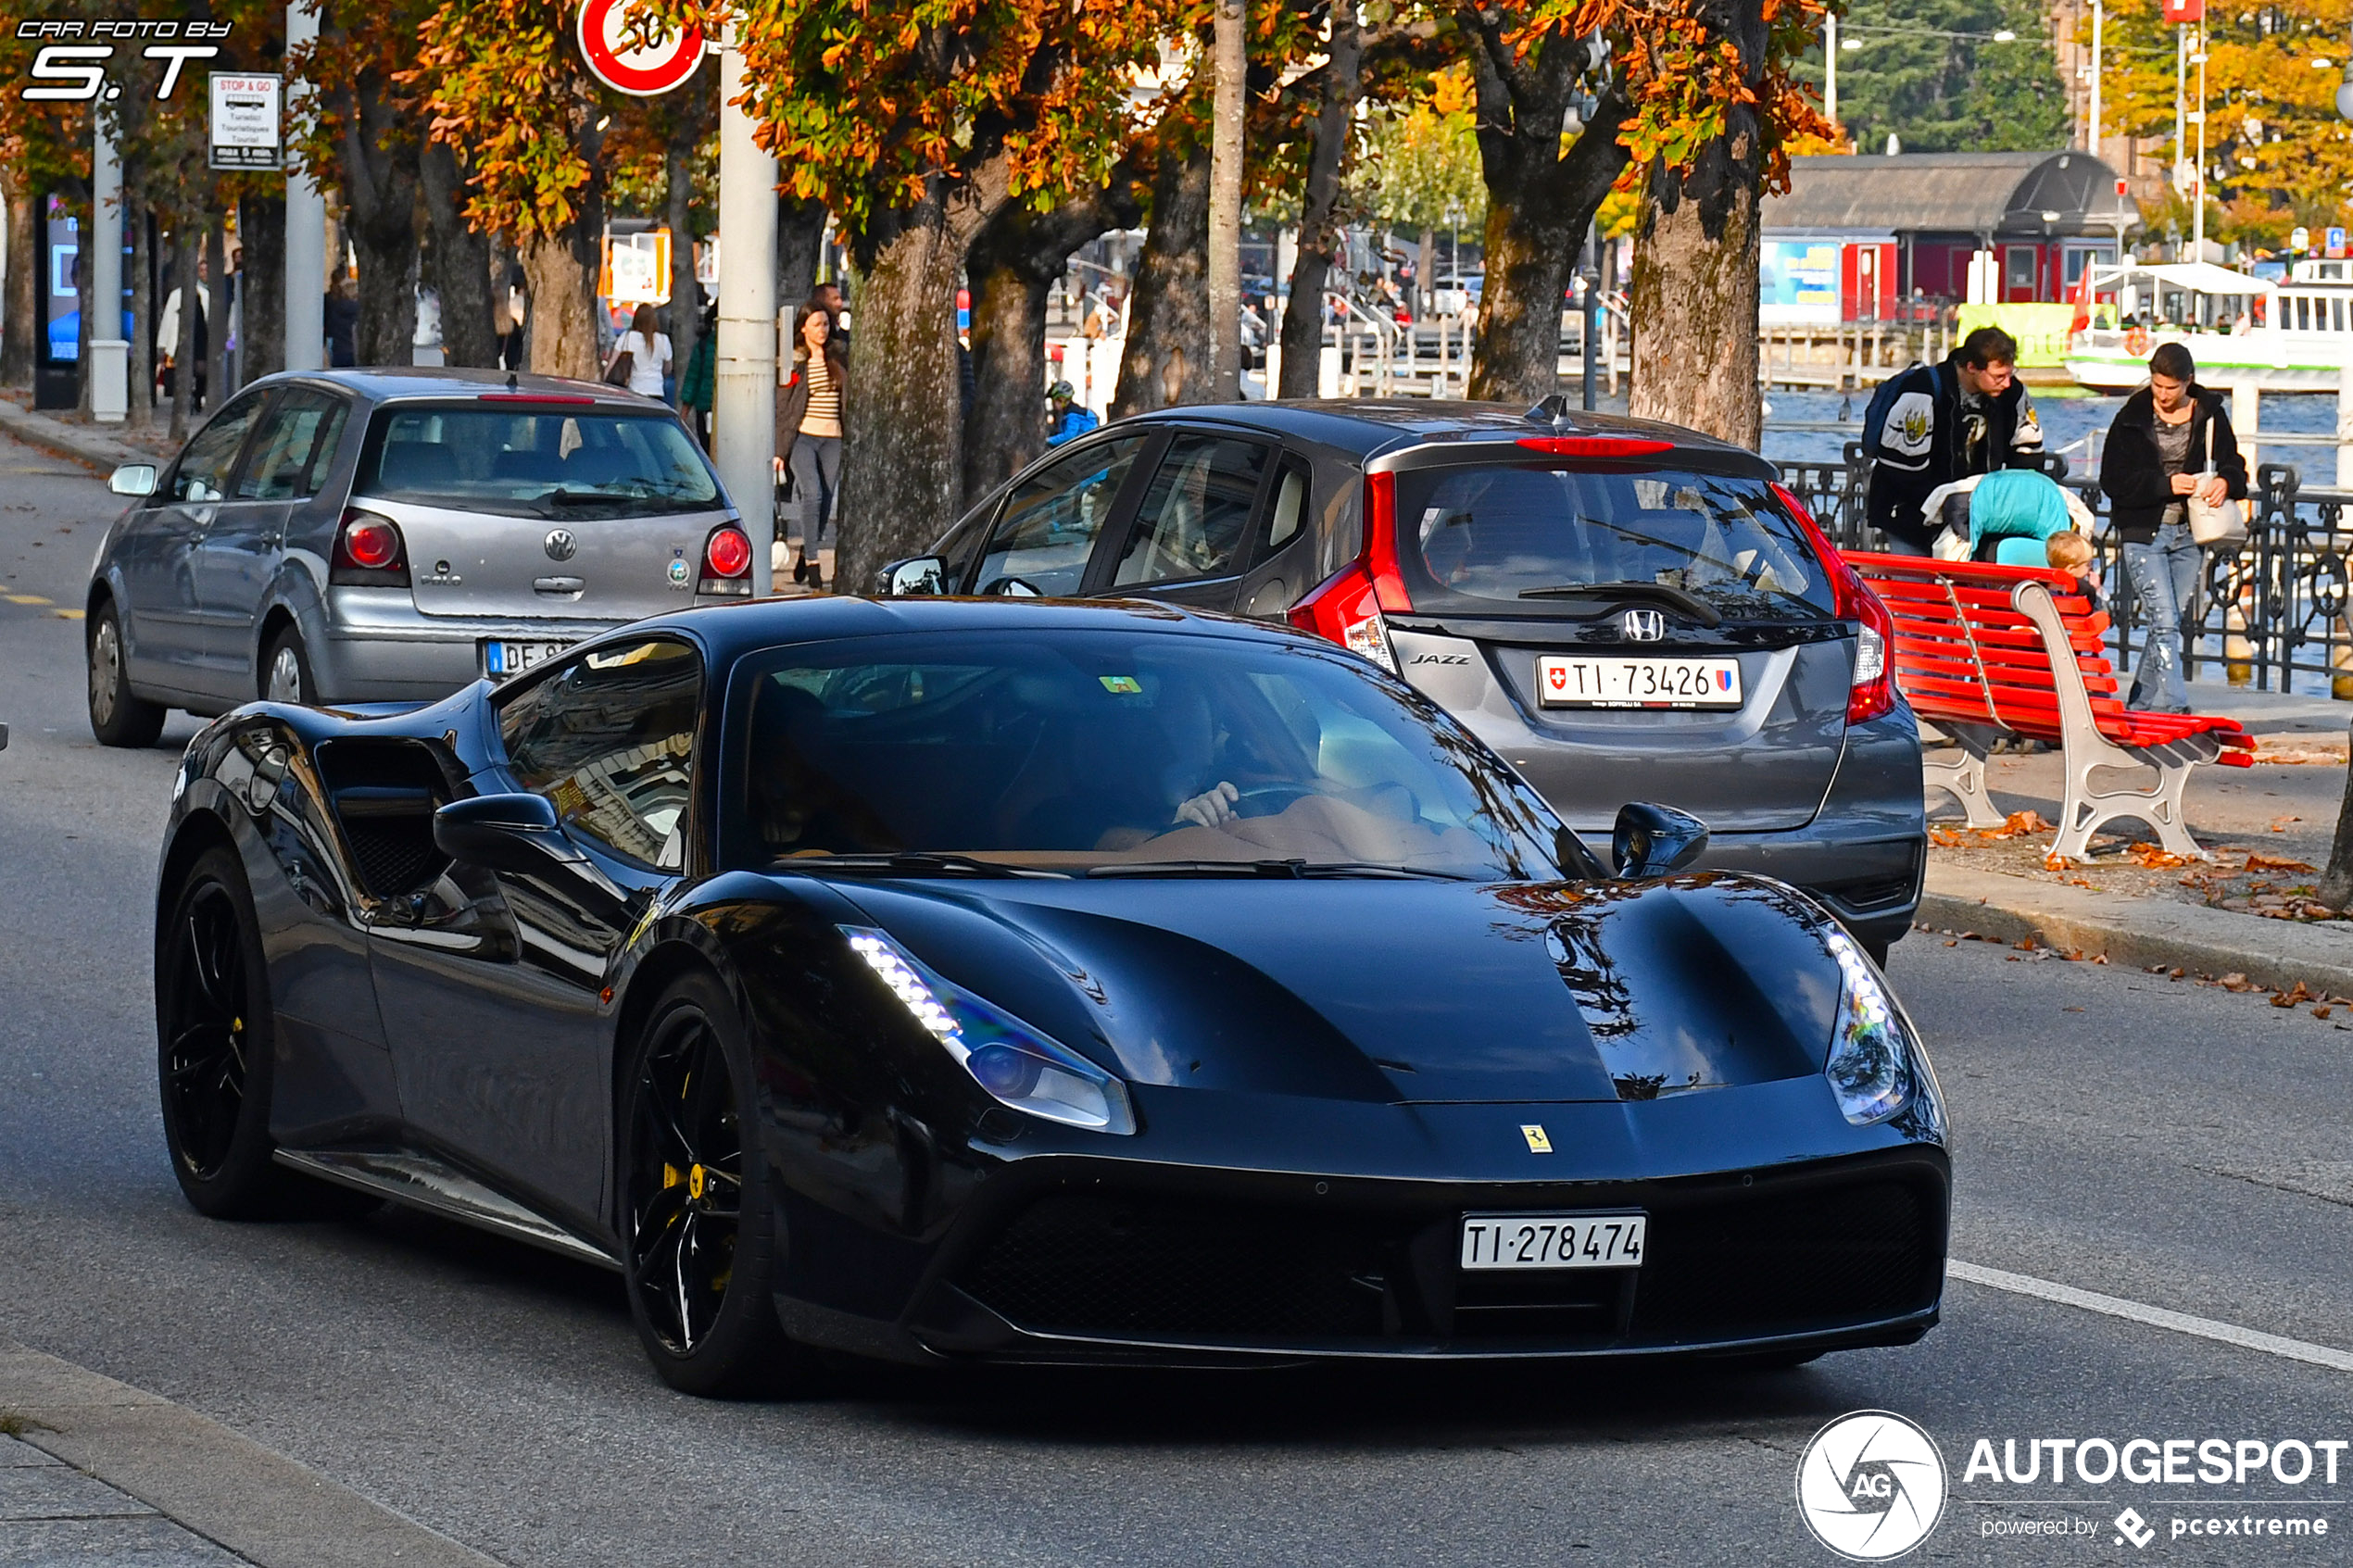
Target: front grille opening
column 1090, row 1263
column 1789, row 1263
column 1550, row 1304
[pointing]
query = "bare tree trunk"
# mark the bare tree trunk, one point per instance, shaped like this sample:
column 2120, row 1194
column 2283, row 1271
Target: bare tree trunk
column 380, row 186
column 262, row 222
column 1168, row 359
column 1011, row 267
column 216, row 295
column 184, row 348
column 1540, row 200
column 1425, row 272
column 800, row 237
column 901, row 478
column 561, row 276
column 460, row 262
column 1320, row 226
column 685, row 303
column 140, row 413
column 2335, row 889
column 1693, row 304
column 20, row 327
column 87, row 307
column 1232, row 66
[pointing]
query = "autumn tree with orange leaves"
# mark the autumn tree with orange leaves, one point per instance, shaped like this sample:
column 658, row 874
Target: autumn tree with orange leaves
column 917, row 123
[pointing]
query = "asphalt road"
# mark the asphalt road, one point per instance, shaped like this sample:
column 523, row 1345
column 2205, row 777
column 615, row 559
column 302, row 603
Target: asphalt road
column 2157, row 1142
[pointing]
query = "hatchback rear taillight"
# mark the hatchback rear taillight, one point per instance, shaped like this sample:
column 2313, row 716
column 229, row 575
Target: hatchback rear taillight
column 369, row 552
column 1347, row 607
column 726, row 562
column 1873, row 691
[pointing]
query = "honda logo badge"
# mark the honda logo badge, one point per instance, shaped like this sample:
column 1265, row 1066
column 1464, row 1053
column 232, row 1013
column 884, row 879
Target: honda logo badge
column 1643, row 625
column 560, row 543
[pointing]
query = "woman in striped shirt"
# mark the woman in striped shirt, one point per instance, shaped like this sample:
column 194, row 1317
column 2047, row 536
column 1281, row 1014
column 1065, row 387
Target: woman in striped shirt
column 809, row 431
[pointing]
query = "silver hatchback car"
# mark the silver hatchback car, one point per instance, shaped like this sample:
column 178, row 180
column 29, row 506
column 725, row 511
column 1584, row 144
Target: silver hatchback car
column 388, row 535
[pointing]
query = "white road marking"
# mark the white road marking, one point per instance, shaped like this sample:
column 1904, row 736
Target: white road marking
column 2157, row 1317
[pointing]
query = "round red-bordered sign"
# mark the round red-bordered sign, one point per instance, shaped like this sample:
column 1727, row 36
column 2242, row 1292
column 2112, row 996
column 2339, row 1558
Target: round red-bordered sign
column 617, row 60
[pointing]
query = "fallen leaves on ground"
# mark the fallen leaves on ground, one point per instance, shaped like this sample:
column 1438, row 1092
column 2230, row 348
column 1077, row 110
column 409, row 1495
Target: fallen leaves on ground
column 2279, row 824
column 2154, row 857
column 2258, row 862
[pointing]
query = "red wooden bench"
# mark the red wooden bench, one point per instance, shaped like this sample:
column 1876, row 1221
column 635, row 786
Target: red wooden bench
column 1987, row 650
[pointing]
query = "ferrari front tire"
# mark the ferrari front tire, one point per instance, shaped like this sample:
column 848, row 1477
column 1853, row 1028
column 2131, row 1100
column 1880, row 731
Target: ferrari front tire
column 216, row 1039
column 697, row 1215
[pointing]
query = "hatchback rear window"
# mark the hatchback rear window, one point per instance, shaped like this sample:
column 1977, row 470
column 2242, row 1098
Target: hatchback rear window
column 537, row 462
column 1530, row 537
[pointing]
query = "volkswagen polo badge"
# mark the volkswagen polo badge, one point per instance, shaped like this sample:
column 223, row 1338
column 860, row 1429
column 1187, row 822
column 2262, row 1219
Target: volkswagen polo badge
column 562, row 545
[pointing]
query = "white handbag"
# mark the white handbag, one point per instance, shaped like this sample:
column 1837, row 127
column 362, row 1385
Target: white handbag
column 2221, row 522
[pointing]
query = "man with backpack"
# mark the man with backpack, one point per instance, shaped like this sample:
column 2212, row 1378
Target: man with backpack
column 1931, row 424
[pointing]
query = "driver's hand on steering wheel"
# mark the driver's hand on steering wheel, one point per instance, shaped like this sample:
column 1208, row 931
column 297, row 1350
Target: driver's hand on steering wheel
column 1212, row 807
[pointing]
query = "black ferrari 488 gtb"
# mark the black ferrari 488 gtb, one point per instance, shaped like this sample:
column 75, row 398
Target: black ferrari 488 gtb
column 1014, row 981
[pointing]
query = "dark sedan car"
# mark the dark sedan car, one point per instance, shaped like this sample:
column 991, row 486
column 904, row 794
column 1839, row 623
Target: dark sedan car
column 1626, row 610
column 957, row 980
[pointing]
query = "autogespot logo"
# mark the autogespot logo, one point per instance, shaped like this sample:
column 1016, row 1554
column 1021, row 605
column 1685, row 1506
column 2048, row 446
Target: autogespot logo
column 1870, row 1486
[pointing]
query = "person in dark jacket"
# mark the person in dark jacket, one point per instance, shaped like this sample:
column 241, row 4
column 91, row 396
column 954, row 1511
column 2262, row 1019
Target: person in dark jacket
column 340, row 318
column 1933, row 424
column 2172, row 440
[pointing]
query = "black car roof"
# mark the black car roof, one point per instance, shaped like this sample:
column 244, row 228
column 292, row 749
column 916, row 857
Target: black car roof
column 731, row 630
column 1368, row 427
column 386, row 383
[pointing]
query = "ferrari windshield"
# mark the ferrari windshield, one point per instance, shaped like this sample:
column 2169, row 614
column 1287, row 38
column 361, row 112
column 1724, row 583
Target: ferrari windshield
column 1110, row 753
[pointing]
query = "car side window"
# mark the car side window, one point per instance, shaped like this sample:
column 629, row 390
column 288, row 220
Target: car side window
column 1051, row 521
column 203, row 471
column 1196, row 516
column 609, row 739
column 1290, row 508
column 295, row 445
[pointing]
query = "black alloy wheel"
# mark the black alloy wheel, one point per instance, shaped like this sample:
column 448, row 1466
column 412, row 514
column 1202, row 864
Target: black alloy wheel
column 216, row 1035
column 697, row 1224
column 118, row 715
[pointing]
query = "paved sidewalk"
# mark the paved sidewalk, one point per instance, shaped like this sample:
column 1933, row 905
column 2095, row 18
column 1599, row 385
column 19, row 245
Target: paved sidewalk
column 95, row 1473
column 2246, row 915
column 103, row 447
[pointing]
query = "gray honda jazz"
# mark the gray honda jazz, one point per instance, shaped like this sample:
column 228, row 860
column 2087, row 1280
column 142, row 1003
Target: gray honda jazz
column 1625, row 611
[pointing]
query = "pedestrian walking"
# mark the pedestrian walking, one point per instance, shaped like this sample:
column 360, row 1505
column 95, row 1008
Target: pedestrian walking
column 1931, row 424
column 342, row 324
column 809, row 431
column 698, row 385
column 649, row 350
column 2171, row 449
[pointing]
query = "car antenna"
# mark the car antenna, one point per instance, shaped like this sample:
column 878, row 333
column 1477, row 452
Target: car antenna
column 1552, row 410
column 510, row 380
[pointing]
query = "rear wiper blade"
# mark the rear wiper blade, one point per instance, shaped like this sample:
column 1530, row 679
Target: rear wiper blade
column 913, row 863
column 585, row 498
column 1699, row 610
column 1278, row 869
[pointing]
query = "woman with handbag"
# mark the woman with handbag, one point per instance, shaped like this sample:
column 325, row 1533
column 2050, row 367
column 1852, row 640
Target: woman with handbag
column 809, row 431
column 2176, row 483
column 641, row 357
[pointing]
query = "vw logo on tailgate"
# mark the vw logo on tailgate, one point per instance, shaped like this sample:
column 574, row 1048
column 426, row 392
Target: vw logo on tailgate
column 562, row 545
column 1640, row 625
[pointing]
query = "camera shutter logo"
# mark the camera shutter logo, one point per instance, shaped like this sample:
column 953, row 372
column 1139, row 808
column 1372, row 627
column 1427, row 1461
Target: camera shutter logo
column 1643, row 625
column 562, row 545
column 1871, row 1485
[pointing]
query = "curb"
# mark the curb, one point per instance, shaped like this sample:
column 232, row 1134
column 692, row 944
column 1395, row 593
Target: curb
column 101, row 452
column 252, row 1500
column 2144, row 933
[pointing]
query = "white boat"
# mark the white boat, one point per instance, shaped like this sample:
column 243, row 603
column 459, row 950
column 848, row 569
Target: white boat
column 2294, row 335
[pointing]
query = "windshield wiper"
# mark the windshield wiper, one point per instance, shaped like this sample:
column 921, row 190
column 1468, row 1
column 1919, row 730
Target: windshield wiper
column 1278, row 869
column 912, row 863
column 1690, row 604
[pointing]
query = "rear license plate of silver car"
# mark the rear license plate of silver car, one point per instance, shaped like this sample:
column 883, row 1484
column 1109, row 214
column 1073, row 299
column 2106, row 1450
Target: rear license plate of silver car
column 502, row 658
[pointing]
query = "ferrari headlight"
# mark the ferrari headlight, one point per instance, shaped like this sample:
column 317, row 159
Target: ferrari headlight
column 1018, row 1066
column 1873, row 1066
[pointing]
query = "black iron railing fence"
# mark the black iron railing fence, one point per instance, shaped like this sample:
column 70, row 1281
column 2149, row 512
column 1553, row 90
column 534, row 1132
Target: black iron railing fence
column 2273, row 613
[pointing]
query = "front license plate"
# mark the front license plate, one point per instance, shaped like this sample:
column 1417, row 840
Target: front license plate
column 1553, row 1241
column 1638, row 683
column 501, row 659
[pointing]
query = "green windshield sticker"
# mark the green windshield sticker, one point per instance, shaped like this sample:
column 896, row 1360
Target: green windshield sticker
column 1122, row 685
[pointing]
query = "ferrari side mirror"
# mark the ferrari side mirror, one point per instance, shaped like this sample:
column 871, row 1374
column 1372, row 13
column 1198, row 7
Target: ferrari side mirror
column 917, row 574
column 1652, row 840
column 504, row 833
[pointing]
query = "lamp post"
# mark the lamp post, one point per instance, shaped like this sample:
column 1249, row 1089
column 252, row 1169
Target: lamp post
column 1830, row 66
column 2098, row 13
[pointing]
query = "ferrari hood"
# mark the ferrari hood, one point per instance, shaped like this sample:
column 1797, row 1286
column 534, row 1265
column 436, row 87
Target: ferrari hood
column 1395, row 991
